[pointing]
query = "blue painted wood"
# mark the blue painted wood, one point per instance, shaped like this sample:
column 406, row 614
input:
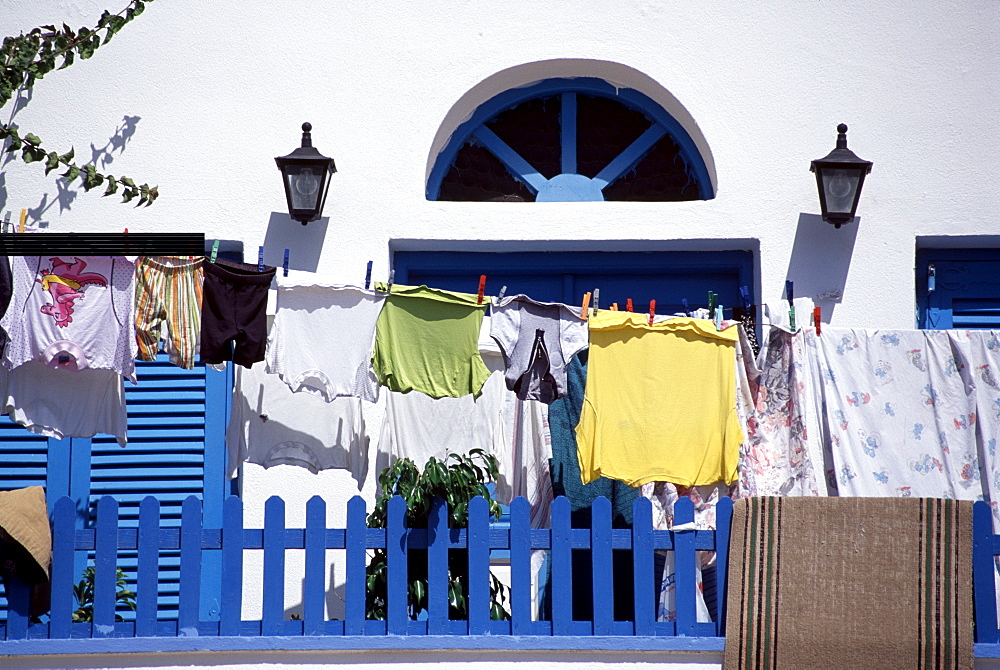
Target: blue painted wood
column 57, row 469
column 601, row 569
column 983, row 574
column 628, row 158
column 685, row 560
column 562, row 568
column 723, row 526
column 644, row 596
column 63, row 543
column 232, row 567
column 148, row 567
column 695, row 162
column 966, row 288
column 437, row 568
column 314, row 586
column 396, row 559
column 105, row 563
column 218, row 399
column 479, row 566
column 354, row 607
column 189, row 604
column 18, row 606
column 567, row 133
column 519, row 168
column 520, row 566
column 274, row 565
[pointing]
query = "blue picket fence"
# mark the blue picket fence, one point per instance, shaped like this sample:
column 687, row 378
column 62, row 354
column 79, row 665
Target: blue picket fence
column 195, row 542
column 57, row 633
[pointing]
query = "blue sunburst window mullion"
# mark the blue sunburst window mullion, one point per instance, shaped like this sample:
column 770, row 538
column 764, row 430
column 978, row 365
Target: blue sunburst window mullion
column 568, row 133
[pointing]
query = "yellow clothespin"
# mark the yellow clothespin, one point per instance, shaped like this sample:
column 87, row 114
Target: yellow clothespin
column 24, row 219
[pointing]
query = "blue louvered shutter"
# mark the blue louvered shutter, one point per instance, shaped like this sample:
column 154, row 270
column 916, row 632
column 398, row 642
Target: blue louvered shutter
column 958, row 288
column 176, row 448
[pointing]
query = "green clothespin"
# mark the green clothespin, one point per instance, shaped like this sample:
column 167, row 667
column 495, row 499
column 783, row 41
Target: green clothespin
column 215, row 250
column 712, row 297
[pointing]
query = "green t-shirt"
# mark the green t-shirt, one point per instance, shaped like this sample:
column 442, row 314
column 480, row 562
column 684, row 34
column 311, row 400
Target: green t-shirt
column 427, row 340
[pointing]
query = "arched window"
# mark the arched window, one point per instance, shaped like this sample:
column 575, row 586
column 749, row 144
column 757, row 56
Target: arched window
column 570, row 140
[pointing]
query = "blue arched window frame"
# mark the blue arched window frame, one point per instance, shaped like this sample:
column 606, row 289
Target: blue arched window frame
column 569, row 186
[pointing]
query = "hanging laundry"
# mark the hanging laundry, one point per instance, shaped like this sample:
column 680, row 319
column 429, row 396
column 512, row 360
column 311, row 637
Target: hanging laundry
column 660, row 402
column 322, row 337
column 417, row 426
column 782, row 452
column 72, row 313
column 564, row 414
column 168, row 297
column 6, row 291
column 234, row 312
column 902, row 413
column 270, row 425
column 426, row 340
column 537, row 340
column 26, row 544
column 56, row 403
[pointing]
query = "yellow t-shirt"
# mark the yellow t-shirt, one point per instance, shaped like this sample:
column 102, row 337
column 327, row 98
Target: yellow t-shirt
column 660, row 401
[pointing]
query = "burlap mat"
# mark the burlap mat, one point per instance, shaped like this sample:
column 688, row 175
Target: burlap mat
column 850, row 583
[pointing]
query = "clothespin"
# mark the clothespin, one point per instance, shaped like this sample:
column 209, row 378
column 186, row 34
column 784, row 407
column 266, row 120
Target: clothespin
column 747, row 306
column 790, row 295
column 24, row 219
column 392, row 275
column 126, row 231
column 652, row 311
column 585, row 308
column 215, row 250
column 718, row 317
column 711, row 302
column 628, row 305
column 503, row 290
column 284, row 266
column 687, row 308
column 6, row 222
column 260, row 259
column 597, row 296
column 368, row 276
column 482, row 287
column 816, row 319
column 614, row 307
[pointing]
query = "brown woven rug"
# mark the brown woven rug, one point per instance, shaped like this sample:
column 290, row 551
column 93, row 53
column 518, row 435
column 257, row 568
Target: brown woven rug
column 850, row 583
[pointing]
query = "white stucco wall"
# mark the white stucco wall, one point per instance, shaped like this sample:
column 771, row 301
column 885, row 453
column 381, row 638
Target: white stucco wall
column 216, row 90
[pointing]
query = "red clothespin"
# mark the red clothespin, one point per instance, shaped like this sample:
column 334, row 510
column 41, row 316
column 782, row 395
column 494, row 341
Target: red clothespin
column 628, row 305
column 585, row 307
column 816, row 319
column 126, row 231
column 652, row 311
column 482, row 287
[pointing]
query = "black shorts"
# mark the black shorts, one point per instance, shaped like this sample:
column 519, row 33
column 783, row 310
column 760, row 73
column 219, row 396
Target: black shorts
column 234, row 308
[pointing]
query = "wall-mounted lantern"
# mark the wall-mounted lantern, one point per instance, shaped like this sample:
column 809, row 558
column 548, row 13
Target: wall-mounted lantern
column 306, row 174
column 839, row 177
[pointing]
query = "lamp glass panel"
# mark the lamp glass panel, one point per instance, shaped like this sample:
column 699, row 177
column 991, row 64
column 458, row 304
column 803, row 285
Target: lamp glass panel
column 840, row 185
column 304, row 185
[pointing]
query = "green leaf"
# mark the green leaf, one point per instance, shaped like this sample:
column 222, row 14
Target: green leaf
column 127, row 181
column 32, row 139
column 52, row 163
column 112, row 186
column 68, row 156
column 72, row 173
column 140, row 7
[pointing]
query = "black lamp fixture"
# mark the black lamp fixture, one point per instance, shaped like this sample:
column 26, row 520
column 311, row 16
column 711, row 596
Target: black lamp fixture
column 839, row 177
column 306, row 173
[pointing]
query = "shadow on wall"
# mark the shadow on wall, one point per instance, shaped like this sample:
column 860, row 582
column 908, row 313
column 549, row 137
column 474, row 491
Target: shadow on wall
column 336, row 597
column 820, row 260
column 304, row 243
column 102, row 157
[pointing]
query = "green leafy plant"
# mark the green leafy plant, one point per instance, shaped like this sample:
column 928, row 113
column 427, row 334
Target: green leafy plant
column 84, row 592
column 26, row 58
column 456, row 479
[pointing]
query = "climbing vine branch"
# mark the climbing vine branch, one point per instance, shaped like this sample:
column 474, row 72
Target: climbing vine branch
column 26, row 58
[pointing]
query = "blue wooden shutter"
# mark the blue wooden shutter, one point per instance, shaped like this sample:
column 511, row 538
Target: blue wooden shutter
column 176, row 448
column 958, row 288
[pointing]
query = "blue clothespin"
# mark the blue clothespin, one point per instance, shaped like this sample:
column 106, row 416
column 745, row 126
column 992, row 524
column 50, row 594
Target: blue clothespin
column 368, row 276
column 718, row 317
column 790, row 296
column 260, row 259
column 745, row 294
column 284, row 266
column 687, row 308
column 503, row 290
column 215, row 250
